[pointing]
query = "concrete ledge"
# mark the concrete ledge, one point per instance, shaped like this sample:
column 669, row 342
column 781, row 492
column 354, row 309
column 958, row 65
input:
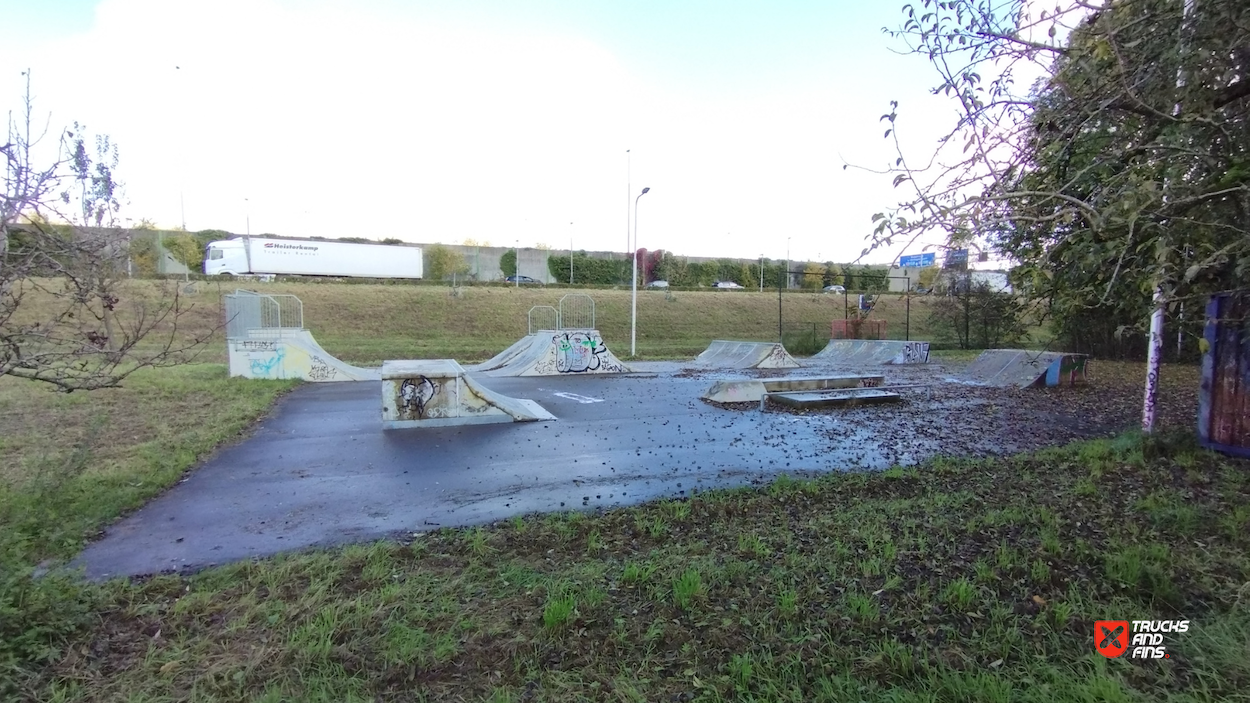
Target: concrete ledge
column 754, row 390
column 835, row 398
column 438, row 393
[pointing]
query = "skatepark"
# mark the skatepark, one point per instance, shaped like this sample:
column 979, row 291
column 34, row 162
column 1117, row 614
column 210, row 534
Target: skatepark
column 572, row 428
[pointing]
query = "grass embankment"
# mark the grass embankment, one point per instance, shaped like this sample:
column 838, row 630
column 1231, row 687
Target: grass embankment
column 369, row 323
column 960, row 581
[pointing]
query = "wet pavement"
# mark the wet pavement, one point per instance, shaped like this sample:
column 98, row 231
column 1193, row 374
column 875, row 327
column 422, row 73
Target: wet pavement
column 320, row 471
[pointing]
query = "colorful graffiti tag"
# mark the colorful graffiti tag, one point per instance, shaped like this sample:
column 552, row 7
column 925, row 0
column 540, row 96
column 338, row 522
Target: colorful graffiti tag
column 264, row 368
column 580, row 352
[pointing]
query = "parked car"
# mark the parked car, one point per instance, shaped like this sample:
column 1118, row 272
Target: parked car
column 835, row 289
column 658, row 284
column 522, row 279
column 725, row 284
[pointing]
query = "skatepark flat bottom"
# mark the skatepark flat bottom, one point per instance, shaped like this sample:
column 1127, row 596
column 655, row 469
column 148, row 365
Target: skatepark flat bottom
column 320, row 470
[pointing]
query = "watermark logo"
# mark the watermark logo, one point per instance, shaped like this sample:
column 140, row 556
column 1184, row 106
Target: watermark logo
column 1142, row 639
column 1111, row 637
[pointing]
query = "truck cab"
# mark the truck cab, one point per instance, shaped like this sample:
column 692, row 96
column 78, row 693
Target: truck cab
column 228, row 257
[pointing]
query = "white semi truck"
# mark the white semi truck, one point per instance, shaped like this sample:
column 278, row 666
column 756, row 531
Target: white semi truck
column 313, row 257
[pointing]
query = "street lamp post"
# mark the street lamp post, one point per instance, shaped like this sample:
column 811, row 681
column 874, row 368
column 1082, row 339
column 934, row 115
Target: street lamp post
column 633, row 303
column 787, row 263
column 570, row 253
column 629, row 191
column 516, row 268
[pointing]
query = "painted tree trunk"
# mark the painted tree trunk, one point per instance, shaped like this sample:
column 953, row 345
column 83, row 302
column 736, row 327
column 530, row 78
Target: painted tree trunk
column 1154, row 355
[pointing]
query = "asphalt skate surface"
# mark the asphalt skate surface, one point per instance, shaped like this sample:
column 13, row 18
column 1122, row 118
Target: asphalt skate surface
column 320, row 471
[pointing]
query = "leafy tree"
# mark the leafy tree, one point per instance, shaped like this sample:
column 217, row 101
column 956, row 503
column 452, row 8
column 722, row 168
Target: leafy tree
column 442, row 262
column 928, row 277
column 392, row 241
column 1120, row 180
column 813, row 276
column 507, row 263
column 186, row 248
column 356, row 240
column 977, row 317
column 68, row 316
column 143, row 256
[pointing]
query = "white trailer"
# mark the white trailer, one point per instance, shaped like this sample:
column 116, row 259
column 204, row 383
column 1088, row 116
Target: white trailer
column 258, row 255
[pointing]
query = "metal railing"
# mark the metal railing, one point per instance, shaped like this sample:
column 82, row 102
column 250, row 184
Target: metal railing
column 577, row 312
column 247, row 311
column 543, row 317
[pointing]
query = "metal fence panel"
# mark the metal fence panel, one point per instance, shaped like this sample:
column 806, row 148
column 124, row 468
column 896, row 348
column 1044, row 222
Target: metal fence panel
column 543, row 317
column 577, row 312
column 247, row 310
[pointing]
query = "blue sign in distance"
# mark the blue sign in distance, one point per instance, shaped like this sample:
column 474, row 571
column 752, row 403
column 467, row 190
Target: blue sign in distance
column 917, row 260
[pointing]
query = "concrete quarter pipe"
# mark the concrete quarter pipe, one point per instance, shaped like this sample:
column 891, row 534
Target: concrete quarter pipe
column 725, row 354
column 555, row 353
column 1022, row 368
column 872, row 351
column 289, row 353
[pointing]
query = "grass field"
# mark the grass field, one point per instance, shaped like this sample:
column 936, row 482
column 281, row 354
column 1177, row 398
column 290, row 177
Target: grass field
column 366, row 323
column 963, row 580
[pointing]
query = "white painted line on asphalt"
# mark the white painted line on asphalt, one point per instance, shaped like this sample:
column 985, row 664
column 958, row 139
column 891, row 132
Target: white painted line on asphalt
column 583, row 399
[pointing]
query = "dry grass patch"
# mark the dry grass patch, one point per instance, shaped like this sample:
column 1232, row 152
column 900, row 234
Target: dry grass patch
column 368, row 323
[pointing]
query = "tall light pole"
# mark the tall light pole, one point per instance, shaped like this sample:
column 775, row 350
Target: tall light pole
column 629, row 193
column 247, row 214
column 516, row 268
column 570, row 253
column 633, row 302
column 787, row 263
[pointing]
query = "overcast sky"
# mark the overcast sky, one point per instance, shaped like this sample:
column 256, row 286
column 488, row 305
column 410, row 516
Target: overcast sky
column 491, row 120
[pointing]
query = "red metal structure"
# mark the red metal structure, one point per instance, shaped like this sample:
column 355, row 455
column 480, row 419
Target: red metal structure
column 1224, row 402
column 858, row 329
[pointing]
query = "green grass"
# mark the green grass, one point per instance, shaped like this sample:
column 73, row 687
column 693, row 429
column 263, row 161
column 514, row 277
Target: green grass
column 70, row 463
column 905, row 585
column 977, row 580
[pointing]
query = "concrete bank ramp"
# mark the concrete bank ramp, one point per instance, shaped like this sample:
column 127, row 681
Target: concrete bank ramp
column 504, row 356
column 1023, row 368
column 873, row 351
column 555, row 353
column 439, row 393
column 724, row 354
column 289, row 353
